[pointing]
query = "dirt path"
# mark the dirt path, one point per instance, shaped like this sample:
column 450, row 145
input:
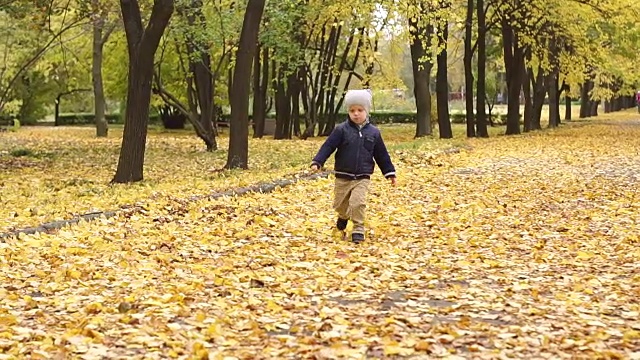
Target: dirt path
column 524, row 247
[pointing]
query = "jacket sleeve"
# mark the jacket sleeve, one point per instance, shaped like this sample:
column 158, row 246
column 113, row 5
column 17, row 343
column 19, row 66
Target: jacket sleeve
column 330, row 145
column 381, row 155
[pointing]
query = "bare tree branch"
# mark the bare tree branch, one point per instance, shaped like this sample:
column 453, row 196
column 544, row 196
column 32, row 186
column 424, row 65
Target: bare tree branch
column 38, row 54
column 109, row 31
column 172, row 100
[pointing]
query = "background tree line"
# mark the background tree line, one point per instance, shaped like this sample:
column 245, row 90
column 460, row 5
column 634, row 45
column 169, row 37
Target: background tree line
column 293, row 60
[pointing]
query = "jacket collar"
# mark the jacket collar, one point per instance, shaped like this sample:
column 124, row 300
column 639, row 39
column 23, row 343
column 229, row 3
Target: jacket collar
column 366, row 122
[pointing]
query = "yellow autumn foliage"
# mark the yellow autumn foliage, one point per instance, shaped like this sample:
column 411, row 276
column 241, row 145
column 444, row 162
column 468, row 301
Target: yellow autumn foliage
column 522, row 247
column 68, row 170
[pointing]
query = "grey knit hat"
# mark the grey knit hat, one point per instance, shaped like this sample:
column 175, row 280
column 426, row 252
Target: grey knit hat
column 358, row 97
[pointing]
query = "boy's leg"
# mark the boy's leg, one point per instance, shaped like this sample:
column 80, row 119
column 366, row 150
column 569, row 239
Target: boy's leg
column 358, row 204
column 342, row 192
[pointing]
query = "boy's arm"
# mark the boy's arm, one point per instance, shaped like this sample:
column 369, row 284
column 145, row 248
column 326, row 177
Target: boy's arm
column 381, row 155
column 330, row 145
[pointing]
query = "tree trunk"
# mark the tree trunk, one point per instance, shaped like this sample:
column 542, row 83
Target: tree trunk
column 539, row 92
column 567, row 103
column 322, row 71
column 295, row 101
column 481, row 93
column 282, row 102
column 593, row 110
column 585, row 102
column 230, row 81
column 305, row 98
column 312, row 88
column 331, row 103
column 513, row 61
column 200, row 80
column 528, row 99
column 628, row 104
column 420, row 39
column 238, row 156
column 330, row 93
column 142, row 45
column 370, row 61
column 56, row 112
column 351, row 67
column 553, row 85
column 619, row 103
column 200, row 66
column 318, row 90
column 468, row 70
column 260, row 72
column 325, row 78
column 99, row 39
column 264, row 88
column 442, row 86
column 552, row 89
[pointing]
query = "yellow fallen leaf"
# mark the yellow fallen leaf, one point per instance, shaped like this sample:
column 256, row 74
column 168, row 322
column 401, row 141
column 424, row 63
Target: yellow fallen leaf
column 583, row 255
column 631, row 335
column 214, row 330
column 422, row 345
column 390, row 350
column 226, row 277
column 8, row 320
column 201, row 316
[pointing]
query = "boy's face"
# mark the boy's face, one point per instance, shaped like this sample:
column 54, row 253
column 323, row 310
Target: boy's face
column 357, row 114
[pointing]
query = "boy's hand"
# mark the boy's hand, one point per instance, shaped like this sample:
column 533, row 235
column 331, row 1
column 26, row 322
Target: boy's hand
column 315, row 167
column 393, row 181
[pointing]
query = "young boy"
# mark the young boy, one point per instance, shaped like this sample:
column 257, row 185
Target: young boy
column 359, row 143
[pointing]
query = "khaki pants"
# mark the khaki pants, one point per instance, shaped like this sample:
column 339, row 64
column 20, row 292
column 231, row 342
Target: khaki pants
column 350, row 198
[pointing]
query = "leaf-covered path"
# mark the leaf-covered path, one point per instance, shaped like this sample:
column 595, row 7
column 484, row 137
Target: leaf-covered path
column 523, row 247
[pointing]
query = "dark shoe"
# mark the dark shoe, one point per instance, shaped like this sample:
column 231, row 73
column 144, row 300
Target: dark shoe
column 357, row 238
column 341, row 224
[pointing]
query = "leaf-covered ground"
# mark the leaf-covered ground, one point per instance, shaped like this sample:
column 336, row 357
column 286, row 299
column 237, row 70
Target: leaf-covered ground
column 49, row 174
column 524, row 247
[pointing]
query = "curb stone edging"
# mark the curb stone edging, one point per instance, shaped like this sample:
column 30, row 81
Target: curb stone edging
column 258, row 188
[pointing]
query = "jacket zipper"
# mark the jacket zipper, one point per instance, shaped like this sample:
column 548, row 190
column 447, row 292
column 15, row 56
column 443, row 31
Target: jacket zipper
column 355, row 176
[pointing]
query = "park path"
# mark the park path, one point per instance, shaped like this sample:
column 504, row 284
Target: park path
column 522, row 247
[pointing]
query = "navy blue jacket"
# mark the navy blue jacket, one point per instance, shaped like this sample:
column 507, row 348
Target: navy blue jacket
column 357, row 149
